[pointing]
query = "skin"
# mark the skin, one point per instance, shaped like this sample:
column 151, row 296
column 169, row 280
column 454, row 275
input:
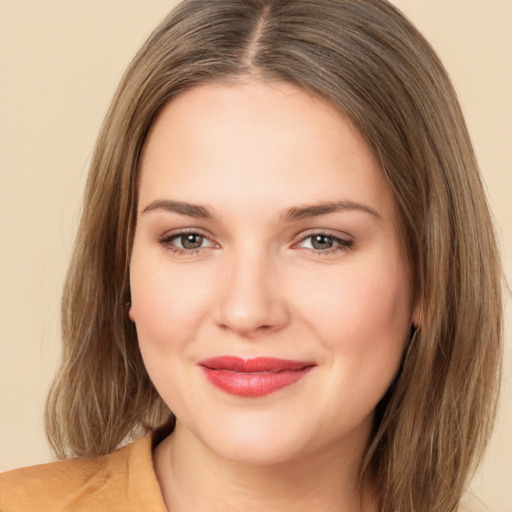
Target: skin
column 257, row 285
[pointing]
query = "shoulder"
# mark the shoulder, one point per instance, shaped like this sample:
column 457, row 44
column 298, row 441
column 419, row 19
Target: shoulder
column 123, row 480
column 50, row 485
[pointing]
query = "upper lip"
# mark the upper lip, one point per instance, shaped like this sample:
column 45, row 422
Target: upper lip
column 253, row 365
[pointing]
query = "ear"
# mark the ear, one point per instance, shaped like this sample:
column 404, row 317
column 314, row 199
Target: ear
column 131, row 314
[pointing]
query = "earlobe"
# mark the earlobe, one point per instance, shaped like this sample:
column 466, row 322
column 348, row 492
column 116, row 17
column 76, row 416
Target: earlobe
column 131, row 315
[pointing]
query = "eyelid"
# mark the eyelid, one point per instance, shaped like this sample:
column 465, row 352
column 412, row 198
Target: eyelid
column 166, row 240
column 345, row 242
column 344, row 236
column 184, row 231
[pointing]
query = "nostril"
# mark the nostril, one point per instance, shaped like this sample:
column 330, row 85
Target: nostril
column 248, row 302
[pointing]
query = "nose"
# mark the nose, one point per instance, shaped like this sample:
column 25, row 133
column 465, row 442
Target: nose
column 250, row 300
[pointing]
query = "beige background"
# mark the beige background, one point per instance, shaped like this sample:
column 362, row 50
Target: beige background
column 59, row 64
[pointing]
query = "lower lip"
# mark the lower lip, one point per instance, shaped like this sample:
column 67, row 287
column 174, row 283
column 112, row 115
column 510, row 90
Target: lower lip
column 253, row 384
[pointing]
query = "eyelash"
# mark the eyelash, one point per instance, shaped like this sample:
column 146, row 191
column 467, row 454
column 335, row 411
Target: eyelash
column 166, row 241
column 343, row 245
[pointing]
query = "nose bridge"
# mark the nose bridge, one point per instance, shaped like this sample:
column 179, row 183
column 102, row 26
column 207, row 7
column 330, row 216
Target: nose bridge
column 252, row 301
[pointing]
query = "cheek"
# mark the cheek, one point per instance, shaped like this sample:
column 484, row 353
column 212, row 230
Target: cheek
column 362, row 316
column 168, row 305
column 361, row 300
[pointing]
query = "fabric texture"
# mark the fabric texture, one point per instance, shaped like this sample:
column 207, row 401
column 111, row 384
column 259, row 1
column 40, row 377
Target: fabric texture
column 123, row 481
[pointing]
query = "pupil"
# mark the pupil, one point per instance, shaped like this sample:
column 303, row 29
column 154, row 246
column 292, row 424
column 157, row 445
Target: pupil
column 192, row 241
column 322, row 242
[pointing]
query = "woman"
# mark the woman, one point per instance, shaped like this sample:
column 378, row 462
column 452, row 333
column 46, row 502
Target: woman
column 285, row 242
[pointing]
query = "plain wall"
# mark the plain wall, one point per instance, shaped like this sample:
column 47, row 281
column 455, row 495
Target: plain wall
column 60, row 62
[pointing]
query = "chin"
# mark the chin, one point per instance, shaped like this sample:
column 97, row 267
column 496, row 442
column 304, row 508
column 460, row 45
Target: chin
column 253, row 442
column 258, row 452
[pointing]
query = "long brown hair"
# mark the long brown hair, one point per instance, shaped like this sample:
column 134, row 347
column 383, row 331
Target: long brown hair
column 367, row 59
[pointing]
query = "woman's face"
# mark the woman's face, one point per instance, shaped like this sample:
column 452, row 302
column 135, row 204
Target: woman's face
column 270, row 295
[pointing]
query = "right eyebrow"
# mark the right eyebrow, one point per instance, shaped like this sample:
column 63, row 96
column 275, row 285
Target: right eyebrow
column 318, row 209
column 180, row 207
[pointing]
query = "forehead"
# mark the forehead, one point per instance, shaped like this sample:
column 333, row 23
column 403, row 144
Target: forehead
column 257, row 143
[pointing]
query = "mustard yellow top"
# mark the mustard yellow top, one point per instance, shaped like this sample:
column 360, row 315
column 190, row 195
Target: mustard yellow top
column 123, row 481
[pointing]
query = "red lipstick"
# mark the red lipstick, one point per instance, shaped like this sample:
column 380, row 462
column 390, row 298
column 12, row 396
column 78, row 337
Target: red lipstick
column 253, row 377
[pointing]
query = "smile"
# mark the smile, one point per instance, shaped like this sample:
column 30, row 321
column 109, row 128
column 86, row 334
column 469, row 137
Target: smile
column 253, row 377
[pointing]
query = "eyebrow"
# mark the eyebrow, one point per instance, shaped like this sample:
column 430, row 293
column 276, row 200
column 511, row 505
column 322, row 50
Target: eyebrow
column 290, row 214
column 180, row 207
column 315, row 210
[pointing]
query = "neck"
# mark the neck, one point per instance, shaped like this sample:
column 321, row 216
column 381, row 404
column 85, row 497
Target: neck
column 192, row 477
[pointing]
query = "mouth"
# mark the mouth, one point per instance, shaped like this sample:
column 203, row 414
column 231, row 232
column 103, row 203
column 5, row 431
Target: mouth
column 253, row 377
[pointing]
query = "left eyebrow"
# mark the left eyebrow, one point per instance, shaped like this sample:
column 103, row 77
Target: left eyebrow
column 180, row 207
column 314, row 210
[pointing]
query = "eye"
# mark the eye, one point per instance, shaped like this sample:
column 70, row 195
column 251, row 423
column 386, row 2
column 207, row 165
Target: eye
column 188, row 242
column 325, row 243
